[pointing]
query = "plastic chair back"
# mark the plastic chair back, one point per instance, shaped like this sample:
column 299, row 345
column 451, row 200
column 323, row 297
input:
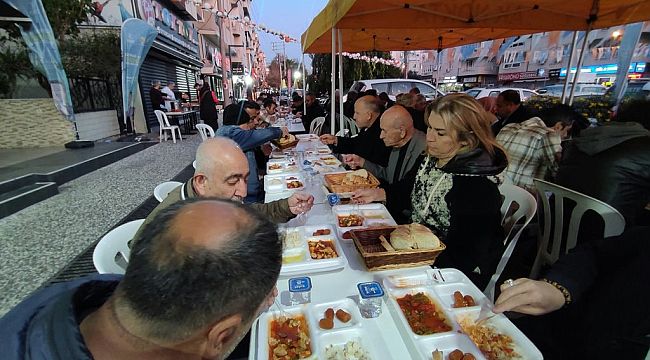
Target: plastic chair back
column 526, row 207
column 316, row 125
column 354, row 130
column 163, row 121
column 162, row 190
column 205, row 131
column 613, row 220
column 112, row 253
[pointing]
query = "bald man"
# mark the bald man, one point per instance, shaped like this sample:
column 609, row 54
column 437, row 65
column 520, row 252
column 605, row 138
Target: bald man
column 407, row 145
column 367, row 144
column 221, row 171
column 192, row 289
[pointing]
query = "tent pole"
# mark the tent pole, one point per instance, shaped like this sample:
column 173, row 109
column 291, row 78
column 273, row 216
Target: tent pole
column 574, row 42
column 581, row 57
column 332, row 88
column 304, row 86
column 341, row 121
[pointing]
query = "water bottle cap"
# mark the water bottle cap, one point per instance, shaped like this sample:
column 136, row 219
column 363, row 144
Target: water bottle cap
column 370, row 290
column 300, row 284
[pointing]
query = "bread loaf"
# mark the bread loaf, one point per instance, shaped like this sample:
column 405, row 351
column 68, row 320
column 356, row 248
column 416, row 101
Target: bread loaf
column 413, row 236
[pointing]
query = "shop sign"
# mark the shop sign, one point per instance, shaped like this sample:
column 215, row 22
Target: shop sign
column 169, row 26
column 470, row 79
column 608, row 69
column 554, row 73
column 449, row 79
column 238, row 69
column 527, row 75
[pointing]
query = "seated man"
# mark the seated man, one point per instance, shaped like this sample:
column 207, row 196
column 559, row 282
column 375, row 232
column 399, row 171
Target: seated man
column 268, row 114
column 534, row 146
column 192, row 289
column 314, row 110
column 221, row 171
column 510, row 110
column 367, row 144
column 612, row 163
column 407, row 145
column 240, row 113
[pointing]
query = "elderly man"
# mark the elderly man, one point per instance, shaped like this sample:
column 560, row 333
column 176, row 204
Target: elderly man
column 191, row 290
column 367, row 144
column 407, row 145
column 314, row 110
column 510, row 110
column 221, row 171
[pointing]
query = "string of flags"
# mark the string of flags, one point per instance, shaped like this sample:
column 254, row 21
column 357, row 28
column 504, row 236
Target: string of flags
column 247, row 22
column 373, row 59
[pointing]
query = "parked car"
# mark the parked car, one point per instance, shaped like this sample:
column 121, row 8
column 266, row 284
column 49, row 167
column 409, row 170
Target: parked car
column 581, row 90
column 636, row 89
column 478, row 93
column 393, row 87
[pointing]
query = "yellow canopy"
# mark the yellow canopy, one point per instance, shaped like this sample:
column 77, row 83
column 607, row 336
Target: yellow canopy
column 419, row 24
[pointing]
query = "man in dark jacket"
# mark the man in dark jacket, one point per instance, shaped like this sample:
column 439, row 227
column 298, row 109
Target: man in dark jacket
column 510, row 110
column 207, row 107
column 368, row 143
column 612, row 163
column 314, row 110
column 175, row 299
column 157, row 97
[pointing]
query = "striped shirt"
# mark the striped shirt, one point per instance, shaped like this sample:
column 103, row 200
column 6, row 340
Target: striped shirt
column 532, row 149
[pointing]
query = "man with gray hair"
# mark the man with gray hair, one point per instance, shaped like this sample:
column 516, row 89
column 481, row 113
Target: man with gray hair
column 367, row 144
column 156, row 96
column 222, row 171
column 168, row 91
column 192, row 289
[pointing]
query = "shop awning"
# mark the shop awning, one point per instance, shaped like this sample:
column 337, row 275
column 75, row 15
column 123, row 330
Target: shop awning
column 419, row 24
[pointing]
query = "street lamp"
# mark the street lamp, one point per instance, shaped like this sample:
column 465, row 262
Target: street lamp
column 616, row 34
column 248, row 80
column 297, row 74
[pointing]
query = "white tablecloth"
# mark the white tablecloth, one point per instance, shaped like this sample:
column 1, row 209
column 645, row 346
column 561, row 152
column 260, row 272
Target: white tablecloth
column 294, row 125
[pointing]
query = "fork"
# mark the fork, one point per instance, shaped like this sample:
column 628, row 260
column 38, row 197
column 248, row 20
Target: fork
column 484, row 315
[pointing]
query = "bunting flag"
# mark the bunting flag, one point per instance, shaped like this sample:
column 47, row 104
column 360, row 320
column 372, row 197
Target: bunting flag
column 467, row 50
column 374, row 59
column 553, row 39
column 44, row 52
column 494, row 49
column 248, row 23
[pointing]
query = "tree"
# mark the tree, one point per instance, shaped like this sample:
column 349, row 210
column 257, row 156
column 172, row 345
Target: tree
column 273, row 78
column 64, row 16
column 319, row 80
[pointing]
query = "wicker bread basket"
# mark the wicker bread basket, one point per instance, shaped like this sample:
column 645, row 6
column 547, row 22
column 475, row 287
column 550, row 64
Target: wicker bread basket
column 283, row 146
column 334, row 183
column 376, row 257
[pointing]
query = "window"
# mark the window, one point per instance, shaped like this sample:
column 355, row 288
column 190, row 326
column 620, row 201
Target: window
column 381, row 87
column 473, row 93
column 400, row 87
column 425, row 89
column 494, row 93
column 358, row 86
column 527, row 94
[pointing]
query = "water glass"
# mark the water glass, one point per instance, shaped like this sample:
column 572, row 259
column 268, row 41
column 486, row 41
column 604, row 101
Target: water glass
column 370, row 294
column 300, row 290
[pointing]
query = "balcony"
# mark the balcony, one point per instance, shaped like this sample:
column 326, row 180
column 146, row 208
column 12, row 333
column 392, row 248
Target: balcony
column 479, row 68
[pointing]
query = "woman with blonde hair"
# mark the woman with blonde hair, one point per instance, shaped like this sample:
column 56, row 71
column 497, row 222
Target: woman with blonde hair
column 454, row 192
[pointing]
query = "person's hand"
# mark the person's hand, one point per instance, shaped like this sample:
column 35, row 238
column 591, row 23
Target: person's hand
column 365, row 196
column 328, row 139
column 267, row 149
column 299, row 114
column 285, row 131
column 300, row 203
column 353, row 161
column 529, row 296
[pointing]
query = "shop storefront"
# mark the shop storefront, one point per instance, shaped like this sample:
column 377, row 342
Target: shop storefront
column 525, row 79
column 605, row 74
column 174, row 55
column 473, row 81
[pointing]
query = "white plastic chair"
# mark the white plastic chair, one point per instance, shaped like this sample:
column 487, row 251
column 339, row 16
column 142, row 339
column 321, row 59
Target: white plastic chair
column 162, row 190
column 526, row 208
column 205, row 131
column 164, row 126
column 354, row 130
column 316, row 125
column 343, row 132
column 112, row 253
column 613, row 220
column 194, row 164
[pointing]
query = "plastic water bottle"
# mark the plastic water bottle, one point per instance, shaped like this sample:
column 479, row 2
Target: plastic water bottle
column 370, row 294
column 300, row 290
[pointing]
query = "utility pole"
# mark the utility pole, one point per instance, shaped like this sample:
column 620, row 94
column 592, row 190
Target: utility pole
column 276, row 48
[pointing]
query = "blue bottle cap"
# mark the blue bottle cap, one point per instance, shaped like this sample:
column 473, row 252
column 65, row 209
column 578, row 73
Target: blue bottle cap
column 370, row 290
column 333, row 199
column 300, row 284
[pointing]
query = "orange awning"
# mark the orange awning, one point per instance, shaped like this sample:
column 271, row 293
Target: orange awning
column 417, row 24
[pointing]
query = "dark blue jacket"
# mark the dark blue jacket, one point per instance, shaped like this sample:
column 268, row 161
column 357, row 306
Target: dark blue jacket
column 248, row 140
column 46, row 324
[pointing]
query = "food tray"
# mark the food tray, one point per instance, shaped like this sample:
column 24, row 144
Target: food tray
column 307, row 137
column 376, row 257
column 297, row 259
column 282, row 165
column 355, row 329
column 283, row 146
column 281, row 183
column 333, row 182
column 441, row 294
column 372, row 214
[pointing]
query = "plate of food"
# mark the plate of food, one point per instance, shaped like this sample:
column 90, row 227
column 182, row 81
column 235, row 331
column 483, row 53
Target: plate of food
column 286, row 141
column 307, row 137
column 437, row 310
column 349, row 181
column 310, row 249
column 281, row 183
column 350, row 217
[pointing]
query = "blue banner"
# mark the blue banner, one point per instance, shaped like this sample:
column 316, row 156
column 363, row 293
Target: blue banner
column 137, row 37
column 467, row 50
column 44, row 52
column 631, row 36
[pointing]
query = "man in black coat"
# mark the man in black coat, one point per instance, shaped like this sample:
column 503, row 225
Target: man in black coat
column 314, row 110
column 367, row 144
column 510, row 110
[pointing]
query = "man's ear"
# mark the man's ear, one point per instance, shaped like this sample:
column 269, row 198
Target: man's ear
column 221, row 335
column 199, row 182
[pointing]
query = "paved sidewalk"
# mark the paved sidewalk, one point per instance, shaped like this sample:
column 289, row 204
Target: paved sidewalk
column 41, row 239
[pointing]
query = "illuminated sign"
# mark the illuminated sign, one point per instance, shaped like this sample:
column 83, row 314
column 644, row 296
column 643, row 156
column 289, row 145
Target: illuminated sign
column 605, row 69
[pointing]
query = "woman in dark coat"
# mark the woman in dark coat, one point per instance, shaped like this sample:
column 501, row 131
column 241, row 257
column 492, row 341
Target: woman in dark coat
column 207, row 105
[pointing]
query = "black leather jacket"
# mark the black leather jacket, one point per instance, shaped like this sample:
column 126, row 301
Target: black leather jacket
column 610, row 163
